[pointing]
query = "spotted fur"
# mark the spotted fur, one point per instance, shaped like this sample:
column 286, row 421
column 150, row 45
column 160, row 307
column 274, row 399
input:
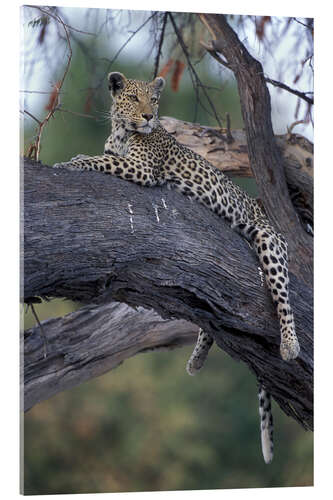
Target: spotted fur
column 266, row 424
column 140, row 150
column 200, row 353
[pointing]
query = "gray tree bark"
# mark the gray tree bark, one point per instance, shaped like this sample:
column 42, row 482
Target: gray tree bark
column 232, row 157
column 96, row 239
column 266, row 160
column 92, row 341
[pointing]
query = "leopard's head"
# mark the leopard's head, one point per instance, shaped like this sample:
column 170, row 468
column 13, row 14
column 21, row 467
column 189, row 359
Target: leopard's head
column 135, row 103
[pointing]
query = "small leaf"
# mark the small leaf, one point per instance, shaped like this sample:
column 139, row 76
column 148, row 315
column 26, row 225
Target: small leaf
column 177, row 74
column 260, row 30
column 166, row 68
column 53, row 97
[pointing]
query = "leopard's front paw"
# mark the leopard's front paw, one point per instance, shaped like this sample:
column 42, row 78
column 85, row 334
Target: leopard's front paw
column 80, row 157
column 71, row 165
column 61, row 165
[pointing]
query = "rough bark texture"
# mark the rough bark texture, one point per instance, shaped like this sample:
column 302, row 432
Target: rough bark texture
column 233, row 159
column 264, row 154
column 97, row 239
column 90, row 342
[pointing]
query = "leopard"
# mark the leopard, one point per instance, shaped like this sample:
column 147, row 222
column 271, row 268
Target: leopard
column 140, row 150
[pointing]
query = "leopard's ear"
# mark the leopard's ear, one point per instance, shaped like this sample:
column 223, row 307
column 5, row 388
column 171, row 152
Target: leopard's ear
column 117, row 82
column 158, row 84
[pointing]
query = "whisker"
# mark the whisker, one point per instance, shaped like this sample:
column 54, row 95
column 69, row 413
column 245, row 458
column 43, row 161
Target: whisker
column 105, row 116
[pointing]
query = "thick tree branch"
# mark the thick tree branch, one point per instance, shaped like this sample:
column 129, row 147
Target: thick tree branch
column 96, row 239
column 265, row 158
column 233, row 158
column 90, row 342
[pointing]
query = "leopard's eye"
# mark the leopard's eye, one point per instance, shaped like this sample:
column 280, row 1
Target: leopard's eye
column 133, row 97
column 154, row 100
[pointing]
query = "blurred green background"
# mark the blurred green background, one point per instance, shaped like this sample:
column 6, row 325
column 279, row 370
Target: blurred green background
column 147, row 425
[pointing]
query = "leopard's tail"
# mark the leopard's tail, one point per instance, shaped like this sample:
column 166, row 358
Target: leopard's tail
column 266, row 424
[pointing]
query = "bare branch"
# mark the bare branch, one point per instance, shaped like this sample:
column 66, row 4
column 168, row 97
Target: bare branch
column 38, row 92
column 283, row 86
column 194, row 76
column 40, row 328
column 84, row 115
column 85, row 356
column 111, row 62
column 308, row 26
column 31, row 116
column 210, row 49
column 34, row 149
column 58, row 18
column 160, row 43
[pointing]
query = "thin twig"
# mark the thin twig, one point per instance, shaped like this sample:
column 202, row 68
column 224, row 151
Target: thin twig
column 84, row 115
column 158, row 55
column 122, row 47
column 41, row 329
column 35, row 148
column 309, row 27
column 283, row 86
column 31, row 116
column 58, row 18
column 210, row 87
column 71, row 28
column 210, row 49
column 297, row 122
column 230, row 139
column 303, row 95
column 192, row 70
column 38, row 92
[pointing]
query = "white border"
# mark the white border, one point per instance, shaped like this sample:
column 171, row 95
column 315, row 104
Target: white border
column 324, row 186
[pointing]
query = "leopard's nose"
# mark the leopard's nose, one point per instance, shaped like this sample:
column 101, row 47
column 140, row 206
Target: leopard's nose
column 147, row 116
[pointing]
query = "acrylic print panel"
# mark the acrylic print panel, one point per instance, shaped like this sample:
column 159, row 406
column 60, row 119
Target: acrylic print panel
column 105, row 244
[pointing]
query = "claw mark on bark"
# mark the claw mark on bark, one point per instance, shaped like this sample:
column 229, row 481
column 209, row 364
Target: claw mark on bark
column 261, row 274
column 131, row 217
column 164, row 204
column 156, row 213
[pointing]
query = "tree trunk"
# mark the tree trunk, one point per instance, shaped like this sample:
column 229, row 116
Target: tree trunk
column 97, row 239
column 266, row 160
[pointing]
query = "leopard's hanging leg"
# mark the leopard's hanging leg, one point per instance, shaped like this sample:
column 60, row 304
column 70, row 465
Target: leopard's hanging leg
column 272, row 252
column 200, row 352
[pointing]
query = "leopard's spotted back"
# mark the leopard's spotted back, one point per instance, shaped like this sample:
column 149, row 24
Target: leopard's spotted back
column 140, row 150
